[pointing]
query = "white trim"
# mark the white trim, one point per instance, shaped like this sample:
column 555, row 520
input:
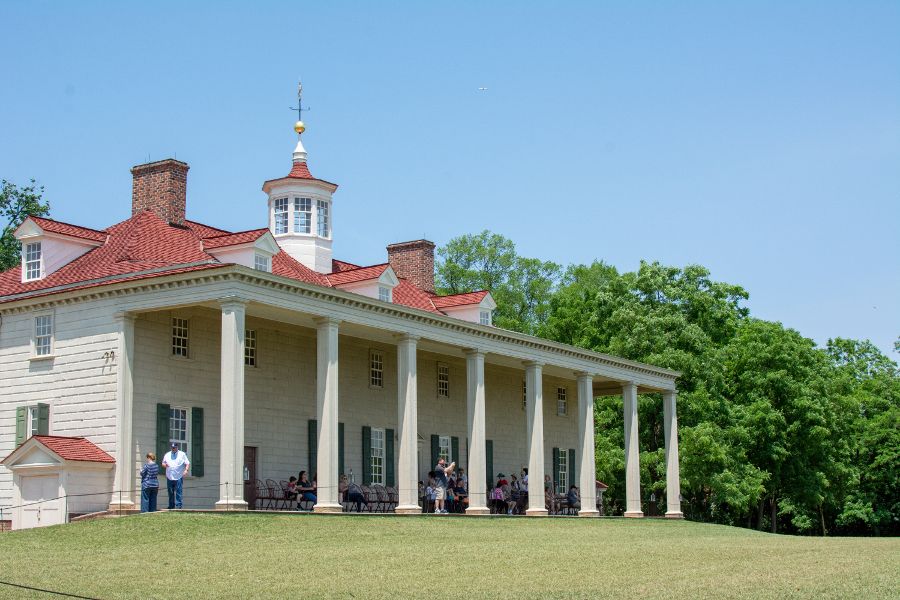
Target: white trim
column 51, row 342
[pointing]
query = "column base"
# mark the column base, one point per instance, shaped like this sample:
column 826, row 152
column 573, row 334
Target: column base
column 124, row 507
column 536, row 512
column 327, row 508
column 410, row 509
column 233, row 505
column 674, row 514
column 478, row 510
column 588, row 513
column 634, row 514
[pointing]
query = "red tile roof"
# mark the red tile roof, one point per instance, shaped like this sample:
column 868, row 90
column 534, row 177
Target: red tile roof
column 74, row 448
column 69, row 229
column 233, row 239
column 340, row 265
column 358, row 274
column 300, row 170
column 459, row 299
column 409, row 295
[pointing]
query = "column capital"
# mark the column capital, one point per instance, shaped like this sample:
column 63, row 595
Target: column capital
column 233, row 302
column 626, row 384
column 474, row 352
column 124, row 316
column 532, row 363
column 670, row 393
column 320, row 321
column 407, row 337
column 584, row 374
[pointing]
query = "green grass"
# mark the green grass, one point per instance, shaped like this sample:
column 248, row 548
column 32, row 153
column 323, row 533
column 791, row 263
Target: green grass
column 309, row 556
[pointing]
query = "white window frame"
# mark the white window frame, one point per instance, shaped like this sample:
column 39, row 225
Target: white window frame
column 32, row 261
column 445, row 448
column 262, row 262
column 376, row 369
column 562, row 402
column 281, row 210
column 250, row 348
column 484, row 317
column 43, row 335
column 181, row 330
column 302, row 214
column 385, row 293
column 443, row 380
column 378, row 465
column 323, row 224
column 184, row 442
column 33, row 420
column 562, row 475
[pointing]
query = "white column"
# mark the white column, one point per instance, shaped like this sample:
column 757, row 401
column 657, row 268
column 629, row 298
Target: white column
column 632, row 452
column 407, row 426
column 535, row 410
column 125, row 461
column 477, row 458
column 673, row 479
column 588, row 475
column 327, row 415
column 231, row 443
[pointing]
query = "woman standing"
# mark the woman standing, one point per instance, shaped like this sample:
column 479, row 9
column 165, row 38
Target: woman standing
column 149, row 484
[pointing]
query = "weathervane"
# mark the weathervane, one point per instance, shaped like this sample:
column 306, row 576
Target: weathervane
column 300, row 110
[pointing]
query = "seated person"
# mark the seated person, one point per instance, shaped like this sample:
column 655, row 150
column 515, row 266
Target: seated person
column 352, row 493
column 292, row 488
column 306, row 489
column 573, row 499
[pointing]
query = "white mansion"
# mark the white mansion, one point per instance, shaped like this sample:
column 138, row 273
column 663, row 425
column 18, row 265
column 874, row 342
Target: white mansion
column 261, row 354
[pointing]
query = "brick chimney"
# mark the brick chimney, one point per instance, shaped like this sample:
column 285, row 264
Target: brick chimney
column 414, row 261
column 161, row 187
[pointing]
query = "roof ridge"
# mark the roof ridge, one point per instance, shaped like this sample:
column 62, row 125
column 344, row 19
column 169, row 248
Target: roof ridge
column 103, row 231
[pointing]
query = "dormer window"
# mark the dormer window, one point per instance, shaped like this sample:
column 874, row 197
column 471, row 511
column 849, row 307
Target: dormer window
column 323, row 221
column 302, row 215
column 261, row 262
column 385, row 294
column 281, row 215
column 33, row 261
column 484, row 317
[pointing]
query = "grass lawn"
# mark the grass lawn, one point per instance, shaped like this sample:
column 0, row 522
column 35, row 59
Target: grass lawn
column 309, row 556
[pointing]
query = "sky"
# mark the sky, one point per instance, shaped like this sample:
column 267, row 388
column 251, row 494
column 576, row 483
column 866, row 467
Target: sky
column 759, row 139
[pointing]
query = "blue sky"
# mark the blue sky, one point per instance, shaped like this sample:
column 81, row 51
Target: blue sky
column 761, row 140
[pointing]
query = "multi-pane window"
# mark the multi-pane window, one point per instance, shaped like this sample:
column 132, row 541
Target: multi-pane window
column 376, row 368
column 33, row 262
column 33, row 420
column 562, row 476
column 178, row 428
column 443, row 381
column 281, row 215
column 179, row 337
column 322, row 217
column 377, row 456
column 524, row 395
column 43, row 335
column 302, row 215
column 261, row 262
column 250, row 347
column 444, row 448
column 484, row 317
column 385, row 293
column 562, row 402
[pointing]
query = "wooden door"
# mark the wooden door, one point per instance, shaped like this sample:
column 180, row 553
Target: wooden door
column 40, row 494
column 250, row 476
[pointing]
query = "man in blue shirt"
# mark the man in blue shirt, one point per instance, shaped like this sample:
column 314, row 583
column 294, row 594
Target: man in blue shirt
column 176, row 464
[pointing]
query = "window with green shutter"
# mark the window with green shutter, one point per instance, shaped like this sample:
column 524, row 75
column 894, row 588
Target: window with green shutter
column 489, row 462
column 21, row 424
column 162, row 431
column 556, row 468
column 43, row 419
column 197, row 459
column 435, row 450
column 389, row 457
column 572, row 477
column 367, row 454
column 454, row 450
column 341, row 470
column 313, row 447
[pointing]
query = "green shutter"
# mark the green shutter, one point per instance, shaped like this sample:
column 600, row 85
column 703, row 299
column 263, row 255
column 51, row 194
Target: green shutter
column 21, row 424
column 571, row 467
column 489, row 462
column 389, row 457
column 367, row 455
column 454, row 449
column 313, row 448
column 555, row 475
column 43, row 419
column 340, row 449
column 435, row 450
column 197, row 442
column 162, row 431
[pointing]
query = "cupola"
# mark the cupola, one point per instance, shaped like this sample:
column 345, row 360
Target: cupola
column 300, row 211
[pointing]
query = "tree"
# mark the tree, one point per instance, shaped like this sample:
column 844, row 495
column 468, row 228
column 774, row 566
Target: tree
column 488, row 261
column 16, row 203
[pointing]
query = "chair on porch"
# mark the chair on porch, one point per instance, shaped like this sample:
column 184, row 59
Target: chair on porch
column 394, row 498
column 289, row 497
column 275, row 494
column 263, row 500
column 384, row 498
column 371, row 498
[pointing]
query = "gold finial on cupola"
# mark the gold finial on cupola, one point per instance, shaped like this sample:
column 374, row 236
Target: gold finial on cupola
column 299, row 126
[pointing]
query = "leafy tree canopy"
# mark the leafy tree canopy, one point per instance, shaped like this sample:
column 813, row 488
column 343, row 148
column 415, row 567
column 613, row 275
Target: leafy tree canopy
column 16, row 203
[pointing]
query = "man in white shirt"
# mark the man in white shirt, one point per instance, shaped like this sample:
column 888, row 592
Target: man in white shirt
column 176, row 464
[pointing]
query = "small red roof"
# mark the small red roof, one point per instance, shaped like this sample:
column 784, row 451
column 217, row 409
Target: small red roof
column 459, row 299
column 300, row 170
column 341, row 265
column 358, row 274
column 233, row 239
column 69, row 229
column 74, row 448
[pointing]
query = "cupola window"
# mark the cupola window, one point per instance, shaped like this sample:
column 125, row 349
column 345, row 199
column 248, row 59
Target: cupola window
column 281, row 215
column 34, row 263
column 302, row 215
column 323, row 221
